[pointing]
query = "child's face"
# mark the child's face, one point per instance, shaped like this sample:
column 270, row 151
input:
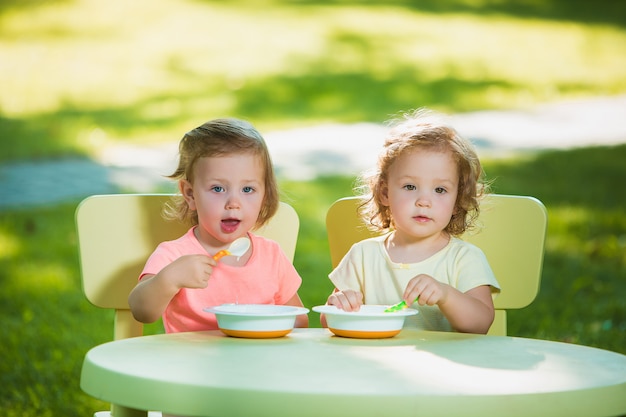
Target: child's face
column 227, row 193
column 421, row 192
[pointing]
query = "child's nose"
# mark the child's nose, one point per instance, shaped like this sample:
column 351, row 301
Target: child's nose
column 232, row 203
column 423, row 201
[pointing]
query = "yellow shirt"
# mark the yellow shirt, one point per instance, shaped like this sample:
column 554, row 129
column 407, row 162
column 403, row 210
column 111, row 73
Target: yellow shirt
column 367, row 268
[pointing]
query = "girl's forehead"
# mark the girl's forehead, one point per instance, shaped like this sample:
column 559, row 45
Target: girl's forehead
column 425, row 162
column 243, row 162
column 221, row 159
column 425, row 154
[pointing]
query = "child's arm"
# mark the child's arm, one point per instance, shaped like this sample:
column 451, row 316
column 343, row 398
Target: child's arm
column 302, row 320
column 469, row 312
column 150, row 297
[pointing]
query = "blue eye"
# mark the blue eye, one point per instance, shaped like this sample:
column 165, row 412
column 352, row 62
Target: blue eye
column 248, row 190
column 217, row 189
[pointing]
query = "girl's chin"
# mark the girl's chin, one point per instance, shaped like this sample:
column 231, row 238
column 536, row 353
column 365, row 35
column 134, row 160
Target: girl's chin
column 220, row 237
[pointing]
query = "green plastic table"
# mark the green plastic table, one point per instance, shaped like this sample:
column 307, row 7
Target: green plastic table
column 310, row 372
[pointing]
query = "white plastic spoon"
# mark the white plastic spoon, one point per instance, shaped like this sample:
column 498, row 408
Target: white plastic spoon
column 237, row 248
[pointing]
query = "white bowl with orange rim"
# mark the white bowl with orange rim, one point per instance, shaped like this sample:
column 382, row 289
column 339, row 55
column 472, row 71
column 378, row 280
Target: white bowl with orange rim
column 257, row 321
column 369, row 322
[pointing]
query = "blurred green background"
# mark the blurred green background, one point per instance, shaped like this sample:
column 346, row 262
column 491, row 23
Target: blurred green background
column 79, row 76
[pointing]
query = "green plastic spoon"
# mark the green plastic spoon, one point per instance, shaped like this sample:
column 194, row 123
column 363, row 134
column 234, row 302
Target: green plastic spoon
column 397, row 307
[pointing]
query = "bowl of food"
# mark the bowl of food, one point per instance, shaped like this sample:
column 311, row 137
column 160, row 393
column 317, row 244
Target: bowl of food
column 258, row 321
column 370, row 322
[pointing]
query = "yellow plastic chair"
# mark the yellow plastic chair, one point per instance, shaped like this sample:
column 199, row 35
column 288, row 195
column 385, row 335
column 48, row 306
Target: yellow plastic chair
column 116, row 235
column 511, row 233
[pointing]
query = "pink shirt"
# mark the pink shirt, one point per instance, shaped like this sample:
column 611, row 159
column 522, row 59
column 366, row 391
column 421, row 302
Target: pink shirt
column 267, row 278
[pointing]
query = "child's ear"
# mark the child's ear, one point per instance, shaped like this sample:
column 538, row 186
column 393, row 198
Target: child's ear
column 186, row 190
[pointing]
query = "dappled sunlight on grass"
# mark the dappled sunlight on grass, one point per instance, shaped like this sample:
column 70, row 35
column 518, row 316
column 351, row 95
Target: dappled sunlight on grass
column 31, row 262
column 592, row 234
column 9, row 245
column 40, row 277
column 143, row 73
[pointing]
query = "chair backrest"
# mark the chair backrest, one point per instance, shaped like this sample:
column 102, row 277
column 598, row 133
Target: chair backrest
column 116, row 235
column 511, row 233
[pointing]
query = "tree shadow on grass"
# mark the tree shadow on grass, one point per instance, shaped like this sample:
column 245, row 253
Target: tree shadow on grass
column 354, row 97
column 73, row 129
column 590, row 177
column 603, row 12
column 319, row 94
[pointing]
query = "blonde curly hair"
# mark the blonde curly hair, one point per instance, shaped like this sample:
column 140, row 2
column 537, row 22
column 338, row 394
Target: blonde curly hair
column 424, row 129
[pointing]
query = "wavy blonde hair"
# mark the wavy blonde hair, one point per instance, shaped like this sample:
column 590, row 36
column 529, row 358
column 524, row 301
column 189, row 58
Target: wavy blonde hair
column 424, row 129
column 221, row 137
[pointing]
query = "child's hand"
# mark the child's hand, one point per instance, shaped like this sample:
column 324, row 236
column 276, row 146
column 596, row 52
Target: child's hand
column 428, row 289
column 348, row 300
column 190, row 271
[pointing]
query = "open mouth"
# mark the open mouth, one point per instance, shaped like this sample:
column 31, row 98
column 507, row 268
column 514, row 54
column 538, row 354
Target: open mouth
column 230, row 225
